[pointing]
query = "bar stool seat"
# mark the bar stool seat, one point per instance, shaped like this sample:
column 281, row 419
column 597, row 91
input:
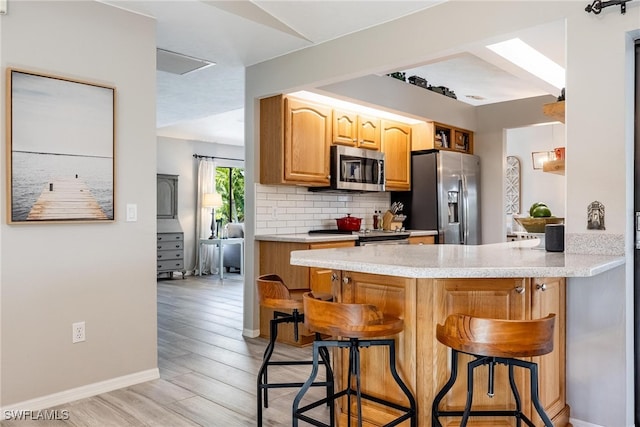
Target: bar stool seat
column 274, row 294
column 357, row 324
column 491, row 342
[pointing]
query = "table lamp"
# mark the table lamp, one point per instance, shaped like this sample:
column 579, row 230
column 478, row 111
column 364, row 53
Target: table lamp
column 213, row 201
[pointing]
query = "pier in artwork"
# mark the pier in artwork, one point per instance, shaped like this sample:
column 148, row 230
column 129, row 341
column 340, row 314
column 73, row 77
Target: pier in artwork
column 66, row 199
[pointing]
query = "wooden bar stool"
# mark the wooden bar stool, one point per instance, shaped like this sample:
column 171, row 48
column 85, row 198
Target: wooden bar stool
column 493, row 341
column 357, row 323
column 273, row 294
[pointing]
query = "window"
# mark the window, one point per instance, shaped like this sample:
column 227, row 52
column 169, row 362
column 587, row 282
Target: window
column 230, row 184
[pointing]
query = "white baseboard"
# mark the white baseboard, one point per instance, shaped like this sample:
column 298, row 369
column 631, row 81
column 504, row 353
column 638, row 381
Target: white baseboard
column 578, row 423
column 251, row 333
column 88, row 390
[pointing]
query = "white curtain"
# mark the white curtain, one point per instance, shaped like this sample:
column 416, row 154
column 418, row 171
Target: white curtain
column 206, row 184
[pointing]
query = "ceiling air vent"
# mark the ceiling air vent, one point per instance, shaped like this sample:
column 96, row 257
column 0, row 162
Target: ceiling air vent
column 177, row 63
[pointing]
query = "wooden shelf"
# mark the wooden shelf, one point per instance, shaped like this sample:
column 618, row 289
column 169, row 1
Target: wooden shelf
column 554, row 166
column 555, row 110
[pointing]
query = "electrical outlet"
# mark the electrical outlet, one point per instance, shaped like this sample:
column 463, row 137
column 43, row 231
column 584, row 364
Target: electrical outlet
column 78, row 332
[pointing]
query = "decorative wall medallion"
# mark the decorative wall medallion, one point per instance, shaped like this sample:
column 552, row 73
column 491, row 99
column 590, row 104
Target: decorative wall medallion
column 512, row 192
column 595, row 216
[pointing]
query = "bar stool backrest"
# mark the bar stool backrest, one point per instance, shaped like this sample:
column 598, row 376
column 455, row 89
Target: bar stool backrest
column 497, row 337
column 347, row 320
column 273, row 293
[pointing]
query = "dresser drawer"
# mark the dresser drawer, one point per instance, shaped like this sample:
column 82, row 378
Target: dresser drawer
column 169, row 255
column 170, row 237
column 170, row 245
column 170, row 265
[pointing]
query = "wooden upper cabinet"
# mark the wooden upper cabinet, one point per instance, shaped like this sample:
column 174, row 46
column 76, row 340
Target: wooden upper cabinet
column 356, row 130
column 396, row 144
column 345, row 128
column 295, row 137
column 369, row 132
column 422, row 136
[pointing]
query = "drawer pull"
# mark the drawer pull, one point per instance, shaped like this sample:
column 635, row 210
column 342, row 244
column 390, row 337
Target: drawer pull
column 541, row 286
column 346, row 280
column 520, row 289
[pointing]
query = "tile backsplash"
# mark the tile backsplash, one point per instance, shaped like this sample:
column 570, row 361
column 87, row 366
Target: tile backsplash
column 284, row 209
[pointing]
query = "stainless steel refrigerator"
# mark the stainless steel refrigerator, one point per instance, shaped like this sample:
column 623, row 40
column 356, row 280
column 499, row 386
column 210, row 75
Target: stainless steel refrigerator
column 444, row 196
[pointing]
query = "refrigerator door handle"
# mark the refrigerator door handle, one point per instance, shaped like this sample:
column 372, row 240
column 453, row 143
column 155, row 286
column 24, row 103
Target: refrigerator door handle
column 464, row 211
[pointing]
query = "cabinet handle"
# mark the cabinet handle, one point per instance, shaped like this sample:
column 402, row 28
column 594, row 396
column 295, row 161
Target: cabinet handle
column 346, row 280
column 541, row 286
column 334, row 276
column 520, row 289
column 159, row 256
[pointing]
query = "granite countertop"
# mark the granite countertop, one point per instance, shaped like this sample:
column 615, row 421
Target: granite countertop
column 511, row 259
column 317, row 238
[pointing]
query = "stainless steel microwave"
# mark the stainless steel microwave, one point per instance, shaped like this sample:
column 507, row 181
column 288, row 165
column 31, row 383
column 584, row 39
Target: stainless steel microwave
column 356, row 169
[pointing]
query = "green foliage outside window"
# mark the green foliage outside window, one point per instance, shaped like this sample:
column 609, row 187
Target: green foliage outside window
column 230, row 184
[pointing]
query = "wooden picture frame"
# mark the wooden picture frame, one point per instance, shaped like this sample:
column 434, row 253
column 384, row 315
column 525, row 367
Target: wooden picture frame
column 60, row 149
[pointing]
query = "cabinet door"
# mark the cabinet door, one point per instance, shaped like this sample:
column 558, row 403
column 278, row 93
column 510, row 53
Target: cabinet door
column 548, row 296
column 345, row 128
column 369, row 132
column 396, row 144
column 167, row 197
column 307, row 138
column 492, row 298
column 320, row 279
column 422, row 136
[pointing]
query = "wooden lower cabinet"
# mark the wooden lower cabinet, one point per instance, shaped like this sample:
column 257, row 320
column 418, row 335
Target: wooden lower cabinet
column 424, row 363
column 274, row 258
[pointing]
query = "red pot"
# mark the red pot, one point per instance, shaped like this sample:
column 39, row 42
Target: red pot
column 349, row 223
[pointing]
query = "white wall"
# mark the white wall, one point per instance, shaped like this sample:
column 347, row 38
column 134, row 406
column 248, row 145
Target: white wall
column 598, row 120
column 536, row 185
column 175, row 157
column 52, row 275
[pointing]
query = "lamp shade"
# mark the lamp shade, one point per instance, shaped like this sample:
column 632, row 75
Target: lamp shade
column 212, row 200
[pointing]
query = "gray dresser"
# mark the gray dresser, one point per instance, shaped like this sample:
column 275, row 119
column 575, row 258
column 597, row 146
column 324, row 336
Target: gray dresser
column 170, row 247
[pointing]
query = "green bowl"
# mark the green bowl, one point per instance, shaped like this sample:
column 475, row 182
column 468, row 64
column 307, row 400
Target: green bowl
column 536, row 225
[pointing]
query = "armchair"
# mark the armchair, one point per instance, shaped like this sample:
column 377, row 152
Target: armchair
column 232, row 252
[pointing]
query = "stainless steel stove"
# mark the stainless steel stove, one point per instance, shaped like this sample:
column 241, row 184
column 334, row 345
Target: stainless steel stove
column 371, row 237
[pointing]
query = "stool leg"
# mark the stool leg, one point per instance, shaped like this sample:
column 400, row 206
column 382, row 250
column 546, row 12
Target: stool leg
column 533, row 368
column 262, row 373
column 356, row 373
column 326, row 360
column 445, row 389
column 403, row 386
column 516, row 396
column 307, row 384
column 471, row 366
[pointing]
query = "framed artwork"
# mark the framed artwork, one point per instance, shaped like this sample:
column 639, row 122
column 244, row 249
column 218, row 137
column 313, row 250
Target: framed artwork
column 60, row 149
column 539, row 157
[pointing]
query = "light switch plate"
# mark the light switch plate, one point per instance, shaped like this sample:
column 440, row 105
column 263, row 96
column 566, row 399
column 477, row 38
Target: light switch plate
column 132, row 212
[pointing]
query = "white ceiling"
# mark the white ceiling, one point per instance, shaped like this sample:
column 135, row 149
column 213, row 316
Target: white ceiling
column 207, row 105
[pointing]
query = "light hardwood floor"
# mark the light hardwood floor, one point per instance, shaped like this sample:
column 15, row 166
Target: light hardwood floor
column 207, row 368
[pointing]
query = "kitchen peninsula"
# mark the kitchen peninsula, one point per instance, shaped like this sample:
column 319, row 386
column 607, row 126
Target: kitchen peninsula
column 423, row 284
